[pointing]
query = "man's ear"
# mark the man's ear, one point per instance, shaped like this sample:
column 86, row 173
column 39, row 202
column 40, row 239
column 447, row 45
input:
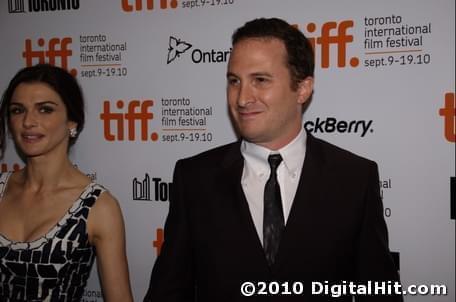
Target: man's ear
column 305, row 89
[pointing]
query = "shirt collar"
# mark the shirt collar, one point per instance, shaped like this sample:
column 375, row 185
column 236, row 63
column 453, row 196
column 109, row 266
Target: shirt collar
column 293, row 154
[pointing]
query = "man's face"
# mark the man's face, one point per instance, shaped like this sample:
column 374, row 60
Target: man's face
column 263, row 105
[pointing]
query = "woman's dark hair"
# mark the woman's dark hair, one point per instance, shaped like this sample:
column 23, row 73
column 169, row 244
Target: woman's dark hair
column 300, row 56
column 60, row 80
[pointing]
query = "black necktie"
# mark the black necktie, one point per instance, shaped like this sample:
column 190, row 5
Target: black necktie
column 273, row 221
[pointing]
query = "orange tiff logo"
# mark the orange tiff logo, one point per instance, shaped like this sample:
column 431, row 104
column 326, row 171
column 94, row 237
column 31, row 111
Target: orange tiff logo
column 4, row 168
column 127, row 120
column 158, row 242
column 138, row 4
column 449, row 117
column 332, row 33
column 56, row 49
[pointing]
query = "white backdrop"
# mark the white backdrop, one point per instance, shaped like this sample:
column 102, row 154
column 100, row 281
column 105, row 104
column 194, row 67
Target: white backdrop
column 153, row 74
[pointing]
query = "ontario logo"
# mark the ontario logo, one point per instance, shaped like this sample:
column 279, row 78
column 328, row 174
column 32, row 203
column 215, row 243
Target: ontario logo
column 18, row 6
column 177, row 47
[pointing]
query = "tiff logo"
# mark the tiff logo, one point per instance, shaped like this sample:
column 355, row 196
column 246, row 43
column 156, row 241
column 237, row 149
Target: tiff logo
column 138, row 4
column 56, row 49
column 16, row 6
column 332, row 33
column 158, row 242
column 142, row 189
column 127, row 120
column 449, row 117
column 4, row 168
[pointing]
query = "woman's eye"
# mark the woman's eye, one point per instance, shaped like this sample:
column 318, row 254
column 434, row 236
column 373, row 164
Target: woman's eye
column 16, row 110
column 46, row 109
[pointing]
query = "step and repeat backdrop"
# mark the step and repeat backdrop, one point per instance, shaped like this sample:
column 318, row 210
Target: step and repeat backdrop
column 153, row 75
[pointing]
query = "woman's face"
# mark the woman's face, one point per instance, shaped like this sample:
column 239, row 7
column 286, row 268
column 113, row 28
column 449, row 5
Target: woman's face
column 38, row 120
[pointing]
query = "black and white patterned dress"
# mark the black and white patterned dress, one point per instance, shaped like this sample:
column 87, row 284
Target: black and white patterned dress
column 54, row 267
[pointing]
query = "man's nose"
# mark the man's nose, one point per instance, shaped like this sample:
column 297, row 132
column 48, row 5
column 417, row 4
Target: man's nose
column 246, row 95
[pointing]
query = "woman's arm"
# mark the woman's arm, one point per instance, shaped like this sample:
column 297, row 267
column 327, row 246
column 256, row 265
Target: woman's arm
column 107, row 233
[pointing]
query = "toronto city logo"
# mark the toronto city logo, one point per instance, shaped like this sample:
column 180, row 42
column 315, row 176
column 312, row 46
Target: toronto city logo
column 176, row 47
column 151, row 189
column 18, row 6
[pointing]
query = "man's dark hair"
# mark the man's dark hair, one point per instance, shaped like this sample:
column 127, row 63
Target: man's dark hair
column 300, row 56
column 62, row 82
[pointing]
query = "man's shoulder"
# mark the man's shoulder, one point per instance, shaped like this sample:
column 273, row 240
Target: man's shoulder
column 216, row 155
column 336, row 155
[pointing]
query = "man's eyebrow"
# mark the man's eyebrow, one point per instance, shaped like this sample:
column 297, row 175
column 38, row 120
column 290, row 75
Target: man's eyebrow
column 255, row 74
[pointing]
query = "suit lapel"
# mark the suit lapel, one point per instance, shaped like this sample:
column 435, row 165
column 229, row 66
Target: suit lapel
column 312, row 174
column 233, row 165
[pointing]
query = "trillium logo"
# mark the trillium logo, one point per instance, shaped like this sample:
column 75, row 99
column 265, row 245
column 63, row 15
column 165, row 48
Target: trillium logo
column 176, row 47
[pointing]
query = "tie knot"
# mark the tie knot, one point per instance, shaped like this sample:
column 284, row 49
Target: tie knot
column 274, row 161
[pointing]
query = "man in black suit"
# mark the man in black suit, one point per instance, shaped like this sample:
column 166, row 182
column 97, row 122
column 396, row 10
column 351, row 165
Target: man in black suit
column 280, row 208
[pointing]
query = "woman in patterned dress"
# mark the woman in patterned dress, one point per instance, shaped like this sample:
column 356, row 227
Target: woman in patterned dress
column 53, row 219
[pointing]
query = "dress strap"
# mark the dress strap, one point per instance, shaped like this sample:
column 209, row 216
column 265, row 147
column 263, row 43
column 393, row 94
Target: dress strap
column 3, row 181
column 91, row 194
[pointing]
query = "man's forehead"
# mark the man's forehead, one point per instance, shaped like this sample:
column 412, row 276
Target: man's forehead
column 253, row 51
column 266, row 40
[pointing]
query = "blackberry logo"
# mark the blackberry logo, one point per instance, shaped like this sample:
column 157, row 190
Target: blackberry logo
column 176, row 47
column 331, row 124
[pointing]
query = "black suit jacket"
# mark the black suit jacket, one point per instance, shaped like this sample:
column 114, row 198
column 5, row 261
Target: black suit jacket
column 335, row 230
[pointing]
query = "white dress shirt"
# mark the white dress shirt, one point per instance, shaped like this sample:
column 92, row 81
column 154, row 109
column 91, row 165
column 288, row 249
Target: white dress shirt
column 256, row 173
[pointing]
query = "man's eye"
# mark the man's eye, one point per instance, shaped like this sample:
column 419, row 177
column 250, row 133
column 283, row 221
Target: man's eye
column 233, row 81
column 261, row 79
